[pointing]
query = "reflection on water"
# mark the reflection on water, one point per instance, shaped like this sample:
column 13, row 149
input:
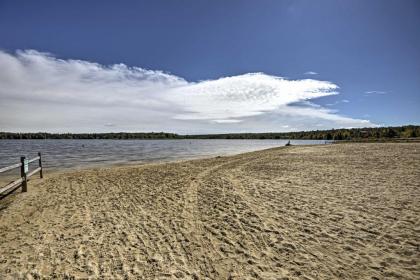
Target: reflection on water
column 64, row 154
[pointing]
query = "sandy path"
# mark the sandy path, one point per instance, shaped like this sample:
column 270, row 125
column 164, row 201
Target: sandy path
column 348, row 211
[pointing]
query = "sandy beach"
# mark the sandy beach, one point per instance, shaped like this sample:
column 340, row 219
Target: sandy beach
column 341, row 211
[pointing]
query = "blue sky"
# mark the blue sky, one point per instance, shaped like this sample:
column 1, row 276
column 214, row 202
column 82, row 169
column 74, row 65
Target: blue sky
column 370, row 50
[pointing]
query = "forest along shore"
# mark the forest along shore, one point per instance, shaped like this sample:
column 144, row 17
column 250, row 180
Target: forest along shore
column 347, row 211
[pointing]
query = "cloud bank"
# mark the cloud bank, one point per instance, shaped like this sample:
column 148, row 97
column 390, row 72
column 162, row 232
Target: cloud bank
column 39, row 92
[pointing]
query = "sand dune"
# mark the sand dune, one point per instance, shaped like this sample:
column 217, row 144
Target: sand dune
column 347, row 211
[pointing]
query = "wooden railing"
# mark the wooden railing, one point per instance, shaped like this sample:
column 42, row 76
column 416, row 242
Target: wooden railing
column 24, row 174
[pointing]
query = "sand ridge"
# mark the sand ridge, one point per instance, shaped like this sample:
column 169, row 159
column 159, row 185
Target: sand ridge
column 347, row 211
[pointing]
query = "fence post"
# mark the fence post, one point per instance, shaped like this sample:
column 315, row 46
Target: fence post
column 23, row 175
column 40, row 165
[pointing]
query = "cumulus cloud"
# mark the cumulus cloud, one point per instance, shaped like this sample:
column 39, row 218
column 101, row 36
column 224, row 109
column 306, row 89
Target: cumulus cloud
column 310, row 73
column 39, row 92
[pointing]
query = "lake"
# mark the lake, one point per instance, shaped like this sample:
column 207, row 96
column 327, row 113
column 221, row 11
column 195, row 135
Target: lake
column 68, row 154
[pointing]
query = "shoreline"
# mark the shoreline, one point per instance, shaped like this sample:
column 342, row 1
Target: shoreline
column 59, row 155
column 105, row 165
column 128, row 164
column 54, row 172
column 317, row 211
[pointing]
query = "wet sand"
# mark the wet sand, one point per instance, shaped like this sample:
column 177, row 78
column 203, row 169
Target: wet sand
column 342, row 211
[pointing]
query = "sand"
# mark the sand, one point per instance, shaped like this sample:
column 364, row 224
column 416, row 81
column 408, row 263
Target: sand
column 342, row 211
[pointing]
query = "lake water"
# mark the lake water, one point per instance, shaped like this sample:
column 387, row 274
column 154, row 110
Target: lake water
column 65, row 154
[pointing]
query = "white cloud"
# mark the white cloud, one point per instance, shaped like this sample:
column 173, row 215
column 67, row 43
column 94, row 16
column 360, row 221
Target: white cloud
column 310, row 73
column 375, row 92
column 338, row 102
column 244, row 96
column 39, row 92
column 227, row 121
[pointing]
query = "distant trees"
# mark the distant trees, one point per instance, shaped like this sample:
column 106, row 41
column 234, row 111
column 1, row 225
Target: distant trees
column 119, row 135
column 409, row 131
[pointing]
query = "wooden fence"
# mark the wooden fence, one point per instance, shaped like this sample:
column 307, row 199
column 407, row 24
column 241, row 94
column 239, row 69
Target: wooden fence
column 24, row 174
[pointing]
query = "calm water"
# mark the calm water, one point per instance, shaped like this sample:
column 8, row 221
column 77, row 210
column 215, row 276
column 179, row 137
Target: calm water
column 64, row 154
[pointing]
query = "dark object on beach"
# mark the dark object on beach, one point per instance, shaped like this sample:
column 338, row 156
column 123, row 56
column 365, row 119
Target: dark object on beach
column 288, row 144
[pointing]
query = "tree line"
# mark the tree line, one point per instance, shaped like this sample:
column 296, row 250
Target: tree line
column 408, row 131
column 113, row 135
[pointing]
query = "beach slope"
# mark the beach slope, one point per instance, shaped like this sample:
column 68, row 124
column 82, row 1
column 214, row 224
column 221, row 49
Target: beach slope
column 342, row 211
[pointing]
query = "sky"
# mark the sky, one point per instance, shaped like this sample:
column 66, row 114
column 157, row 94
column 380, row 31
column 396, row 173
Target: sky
column 208, row 66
